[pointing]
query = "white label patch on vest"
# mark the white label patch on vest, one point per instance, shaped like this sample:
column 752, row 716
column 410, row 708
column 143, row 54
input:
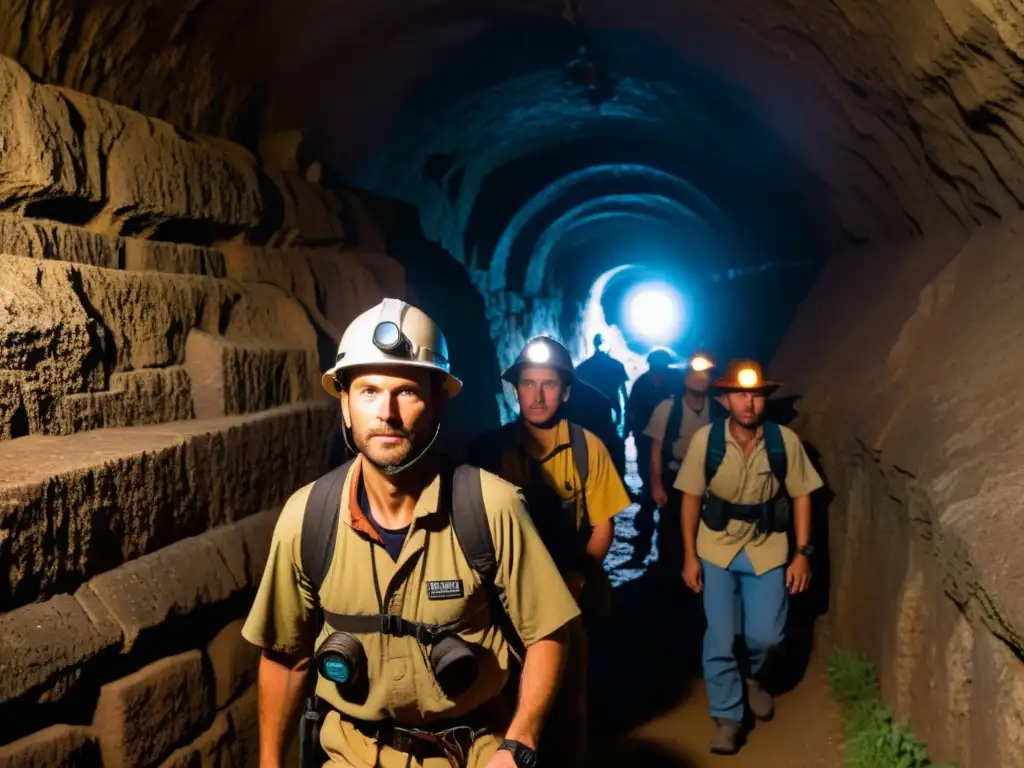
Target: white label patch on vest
column 445, row 590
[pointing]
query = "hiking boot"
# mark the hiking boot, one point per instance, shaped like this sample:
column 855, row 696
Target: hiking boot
column 760, row 701
column 726, row 738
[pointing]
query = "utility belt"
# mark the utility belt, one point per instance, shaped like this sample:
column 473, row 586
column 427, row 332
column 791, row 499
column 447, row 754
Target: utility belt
column 772, row 516
column 451, row 739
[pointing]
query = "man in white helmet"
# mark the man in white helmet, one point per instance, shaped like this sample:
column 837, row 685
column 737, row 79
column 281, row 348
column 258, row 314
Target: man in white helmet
column 403, row 556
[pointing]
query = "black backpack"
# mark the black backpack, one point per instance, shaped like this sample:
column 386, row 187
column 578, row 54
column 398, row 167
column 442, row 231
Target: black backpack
column 459, row 486
column 548, row 510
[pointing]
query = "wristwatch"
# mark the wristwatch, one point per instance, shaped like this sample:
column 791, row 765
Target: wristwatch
column 806, row 550
column 523, row 756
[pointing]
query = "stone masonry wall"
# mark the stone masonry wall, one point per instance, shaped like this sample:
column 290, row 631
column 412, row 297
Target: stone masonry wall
column 909, row 365
column 167, row 302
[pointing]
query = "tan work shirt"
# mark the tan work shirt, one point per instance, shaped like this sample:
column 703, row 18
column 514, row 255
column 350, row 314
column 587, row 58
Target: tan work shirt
column 748, row 480
column 688, row 425
column 402, row 686
column 606, row 495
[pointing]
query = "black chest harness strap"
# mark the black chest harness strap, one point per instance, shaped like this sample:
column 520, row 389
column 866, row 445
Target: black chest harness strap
column 771, row 516
column 460, row 493
column 386, row 623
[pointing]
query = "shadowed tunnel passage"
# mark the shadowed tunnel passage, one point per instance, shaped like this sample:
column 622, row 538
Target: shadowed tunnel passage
column 197, row 197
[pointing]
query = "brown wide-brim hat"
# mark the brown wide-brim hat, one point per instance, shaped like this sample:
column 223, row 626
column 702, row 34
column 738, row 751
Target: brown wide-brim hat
column 745, row 376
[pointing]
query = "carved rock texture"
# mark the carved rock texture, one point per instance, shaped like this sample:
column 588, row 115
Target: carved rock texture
column 908, row 113
column 167, row 298
column 167, row 303
column 905, row 363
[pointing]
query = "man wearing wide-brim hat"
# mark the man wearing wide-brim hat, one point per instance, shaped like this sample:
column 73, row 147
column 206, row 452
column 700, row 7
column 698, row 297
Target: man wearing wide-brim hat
column 745, row 482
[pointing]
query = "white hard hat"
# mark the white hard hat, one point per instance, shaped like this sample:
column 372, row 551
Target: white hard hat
column 393, row 333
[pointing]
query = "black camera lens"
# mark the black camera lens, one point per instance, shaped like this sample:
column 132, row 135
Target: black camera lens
column 455, row 666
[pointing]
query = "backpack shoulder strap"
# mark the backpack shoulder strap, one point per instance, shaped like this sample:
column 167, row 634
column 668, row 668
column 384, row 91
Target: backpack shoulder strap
column 580, row 452
column 675, row 421
column 320, row 523
column 469, row 518
column 581, row 458
column 716, row 450
column 776, row 448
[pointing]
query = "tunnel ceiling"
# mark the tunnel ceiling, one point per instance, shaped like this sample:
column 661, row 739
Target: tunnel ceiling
column 891, row 118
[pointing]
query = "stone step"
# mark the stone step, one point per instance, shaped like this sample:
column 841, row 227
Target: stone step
column 49, row 650
column 45, row 239
column 133, row 398
column 78, row 505
column 65, row 328
column 141, row 173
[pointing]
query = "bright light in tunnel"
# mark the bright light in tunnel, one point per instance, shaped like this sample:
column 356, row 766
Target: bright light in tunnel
column 653, row 312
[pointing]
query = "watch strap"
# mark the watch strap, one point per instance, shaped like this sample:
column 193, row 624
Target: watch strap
column 523, row 756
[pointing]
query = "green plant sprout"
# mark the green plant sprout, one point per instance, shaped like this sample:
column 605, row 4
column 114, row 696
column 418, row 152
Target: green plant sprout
column 873, row 740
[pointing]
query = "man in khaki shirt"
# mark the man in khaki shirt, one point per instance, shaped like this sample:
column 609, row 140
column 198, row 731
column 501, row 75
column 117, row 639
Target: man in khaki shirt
column 396, row 557
column 735, row 541
column 684, row 413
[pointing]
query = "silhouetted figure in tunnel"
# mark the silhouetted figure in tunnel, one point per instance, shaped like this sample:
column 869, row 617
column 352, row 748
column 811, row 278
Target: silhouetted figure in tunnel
column 592, row 410
column 607, row 375
column 657, row 383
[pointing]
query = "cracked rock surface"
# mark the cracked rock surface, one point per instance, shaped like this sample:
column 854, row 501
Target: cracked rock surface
column 908, row 114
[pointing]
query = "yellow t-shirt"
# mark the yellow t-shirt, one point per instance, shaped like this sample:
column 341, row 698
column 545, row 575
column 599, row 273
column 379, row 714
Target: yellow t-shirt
column 606, row 494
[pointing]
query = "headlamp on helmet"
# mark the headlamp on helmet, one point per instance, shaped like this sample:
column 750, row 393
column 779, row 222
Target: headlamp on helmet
column 538, row 352
column 387, row 334
column 747, row 377
column 700, row 363
column 391, row 333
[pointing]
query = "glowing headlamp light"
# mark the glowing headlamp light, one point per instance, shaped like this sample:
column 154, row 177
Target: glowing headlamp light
column 538, row 352
column 700, row 363
column 747, row 377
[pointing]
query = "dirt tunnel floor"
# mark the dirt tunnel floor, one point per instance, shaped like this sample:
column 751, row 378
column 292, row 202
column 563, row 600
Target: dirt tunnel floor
column 805, row 733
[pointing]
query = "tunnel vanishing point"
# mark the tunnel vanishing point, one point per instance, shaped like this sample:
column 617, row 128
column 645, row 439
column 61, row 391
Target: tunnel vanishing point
column 197, row 196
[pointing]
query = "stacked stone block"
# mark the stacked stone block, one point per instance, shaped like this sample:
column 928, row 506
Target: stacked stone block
column 167, row 302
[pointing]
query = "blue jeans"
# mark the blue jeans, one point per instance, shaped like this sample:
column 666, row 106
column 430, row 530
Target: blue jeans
column 736, row 602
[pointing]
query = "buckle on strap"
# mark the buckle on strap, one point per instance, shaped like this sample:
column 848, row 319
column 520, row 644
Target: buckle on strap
column 396, row 626
column 390, row 625
column 424, row 633
column 412, row 741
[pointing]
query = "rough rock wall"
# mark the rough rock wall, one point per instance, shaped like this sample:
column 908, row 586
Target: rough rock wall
column 166, row 301
column 909, row 362
column 514, row 320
